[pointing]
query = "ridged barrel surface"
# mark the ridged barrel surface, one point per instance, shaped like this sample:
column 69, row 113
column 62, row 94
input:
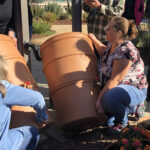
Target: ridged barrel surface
column 70, row 67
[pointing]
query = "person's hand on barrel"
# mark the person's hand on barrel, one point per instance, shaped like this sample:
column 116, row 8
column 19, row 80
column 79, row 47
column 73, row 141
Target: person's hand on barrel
column 11, row 34
column 27, row 84
column 42, row 115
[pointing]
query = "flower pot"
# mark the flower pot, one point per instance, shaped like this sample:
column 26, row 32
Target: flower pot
column 70, row 67
column 18, row 73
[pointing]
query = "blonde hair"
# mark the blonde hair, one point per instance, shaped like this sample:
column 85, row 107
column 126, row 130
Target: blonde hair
column 127, row 27
column 3, row 75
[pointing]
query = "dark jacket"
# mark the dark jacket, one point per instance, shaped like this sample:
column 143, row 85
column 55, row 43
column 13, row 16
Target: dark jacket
column 6, row 16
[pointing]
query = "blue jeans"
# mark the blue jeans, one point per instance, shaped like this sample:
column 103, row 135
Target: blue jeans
column 120, row 101
column 26, row 137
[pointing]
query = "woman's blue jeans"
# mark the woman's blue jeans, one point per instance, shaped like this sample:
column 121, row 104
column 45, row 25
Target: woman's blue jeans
column 120, row 101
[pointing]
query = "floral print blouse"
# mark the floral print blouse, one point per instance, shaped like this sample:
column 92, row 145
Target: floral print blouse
column 135, row 75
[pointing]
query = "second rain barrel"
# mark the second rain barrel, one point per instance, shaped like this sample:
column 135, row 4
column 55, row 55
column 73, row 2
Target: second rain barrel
column 18, row 73
column 70, row 67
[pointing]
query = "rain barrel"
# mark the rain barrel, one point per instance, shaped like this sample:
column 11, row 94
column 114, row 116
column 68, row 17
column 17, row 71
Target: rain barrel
column 70, row 67
column 18, row 73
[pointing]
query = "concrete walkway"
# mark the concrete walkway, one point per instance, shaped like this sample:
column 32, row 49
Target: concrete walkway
column 59, row 30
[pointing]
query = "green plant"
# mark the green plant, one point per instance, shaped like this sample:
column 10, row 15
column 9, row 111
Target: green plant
column 63, row 16
column 84, row 16
column 40, row 27
column 37, row 11
column 69, row 9
column 131, row 138
column 54, row 8
column 49, row 17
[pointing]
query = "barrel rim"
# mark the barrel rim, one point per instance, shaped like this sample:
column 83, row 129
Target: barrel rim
column 61, row 36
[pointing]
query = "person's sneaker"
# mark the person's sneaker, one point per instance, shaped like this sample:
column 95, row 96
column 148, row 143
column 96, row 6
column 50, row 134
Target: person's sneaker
column 139, row 112
column 115, row 130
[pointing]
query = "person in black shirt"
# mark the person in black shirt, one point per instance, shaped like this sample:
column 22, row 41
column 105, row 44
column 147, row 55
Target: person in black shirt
column 6, row 19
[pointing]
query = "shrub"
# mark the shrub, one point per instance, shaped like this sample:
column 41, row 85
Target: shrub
column 49, row 17
column 37, row 11
column 84, row 16
column 63, row 16
column 54, row 8
column 69, row 9
column 40, row 27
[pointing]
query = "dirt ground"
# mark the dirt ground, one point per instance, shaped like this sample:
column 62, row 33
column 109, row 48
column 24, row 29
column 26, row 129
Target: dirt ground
column 91, row 139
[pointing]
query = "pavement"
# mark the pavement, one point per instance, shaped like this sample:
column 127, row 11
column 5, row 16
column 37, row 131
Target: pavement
column 37, row 72
column 59, row 30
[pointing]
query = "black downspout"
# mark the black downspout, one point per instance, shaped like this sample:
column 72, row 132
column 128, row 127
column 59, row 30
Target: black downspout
column 18, row 25
column 76, row 16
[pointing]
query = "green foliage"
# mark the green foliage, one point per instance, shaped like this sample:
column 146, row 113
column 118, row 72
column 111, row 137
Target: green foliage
column 84, row 16
column 40, row 27
column 44, row 16
column 50, row 17
column 37, row 11
column 54, row 8
column 143, row 39
column 64, row 16
column 69, row 9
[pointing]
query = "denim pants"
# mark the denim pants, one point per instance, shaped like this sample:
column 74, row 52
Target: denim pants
column 26, row 137
column 120, row 101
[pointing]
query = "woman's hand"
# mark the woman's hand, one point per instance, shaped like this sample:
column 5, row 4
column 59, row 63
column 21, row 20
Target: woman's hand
column 11, row 34
column 92, row 37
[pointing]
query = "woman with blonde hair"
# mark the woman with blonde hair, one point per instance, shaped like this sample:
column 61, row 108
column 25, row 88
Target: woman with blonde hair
column 124, row 82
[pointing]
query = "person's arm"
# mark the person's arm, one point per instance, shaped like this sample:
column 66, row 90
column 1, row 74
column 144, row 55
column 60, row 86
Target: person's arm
column 112, row 9
column 85, row 7
column 17, row 95
column 119, row 71
column 100, row 47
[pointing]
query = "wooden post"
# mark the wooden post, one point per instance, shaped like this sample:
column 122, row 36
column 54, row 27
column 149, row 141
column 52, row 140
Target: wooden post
column 25, row 20
column 25, row 30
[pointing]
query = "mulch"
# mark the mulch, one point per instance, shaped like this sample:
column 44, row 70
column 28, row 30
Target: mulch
column 91, row 139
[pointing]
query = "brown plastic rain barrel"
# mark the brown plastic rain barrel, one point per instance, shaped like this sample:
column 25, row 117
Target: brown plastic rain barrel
column 70, row 67
column 18, row 73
